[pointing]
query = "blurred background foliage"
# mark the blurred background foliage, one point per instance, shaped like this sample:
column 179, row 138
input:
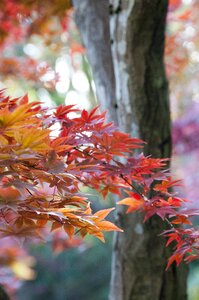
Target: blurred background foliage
column 42, row 54
column 79, row 273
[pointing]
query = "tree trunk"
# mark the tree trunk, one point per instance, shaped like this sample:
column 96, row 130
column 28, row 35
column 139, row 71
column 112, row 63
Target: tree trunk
column 92, row 18
column 141, row 107
column 3, row 294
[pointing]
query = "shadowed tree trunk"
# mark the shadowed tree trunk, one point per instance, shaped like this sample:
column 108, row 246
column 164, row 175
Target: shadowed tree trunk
column 128, row 69
column 3, row 295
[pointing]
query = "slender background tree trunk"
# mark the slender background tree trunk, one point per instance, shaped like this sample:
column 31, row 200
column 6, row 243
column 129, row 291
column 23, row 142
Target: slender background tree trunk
column 3, row 294
column 139, row 105
column 92, row 18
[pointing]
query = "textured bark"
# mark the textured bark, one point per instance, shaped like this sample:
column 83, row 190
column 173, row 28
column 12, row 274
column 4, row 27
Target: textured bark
column 141, row 107
column 92, row 18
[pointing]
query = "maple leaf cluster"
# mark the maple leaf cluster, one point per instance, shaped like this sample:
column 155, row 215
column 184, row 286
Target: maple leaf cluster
column 23, row 22
column 181, row 18
column 160, row 201
column 10, row 66
column 42, row 173
column 20, row 18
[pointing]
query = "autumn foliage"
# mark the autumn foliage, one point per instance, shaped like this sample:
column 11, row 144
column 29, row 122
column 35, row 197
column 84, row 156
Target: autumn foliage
column 16, row 13
column 40, row 173
column 43, row 172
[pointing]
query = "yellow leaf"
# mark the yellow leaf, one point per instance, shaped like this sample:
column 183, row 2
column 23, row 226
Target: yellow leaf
column 3, row 141
column 22, row 270
column 21, row 113
column 32, row 138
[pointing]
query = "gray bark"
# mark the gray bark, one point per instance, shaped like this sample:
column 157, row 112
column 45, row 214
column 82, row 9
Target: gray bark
column 141, row 107
column 92, row 18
